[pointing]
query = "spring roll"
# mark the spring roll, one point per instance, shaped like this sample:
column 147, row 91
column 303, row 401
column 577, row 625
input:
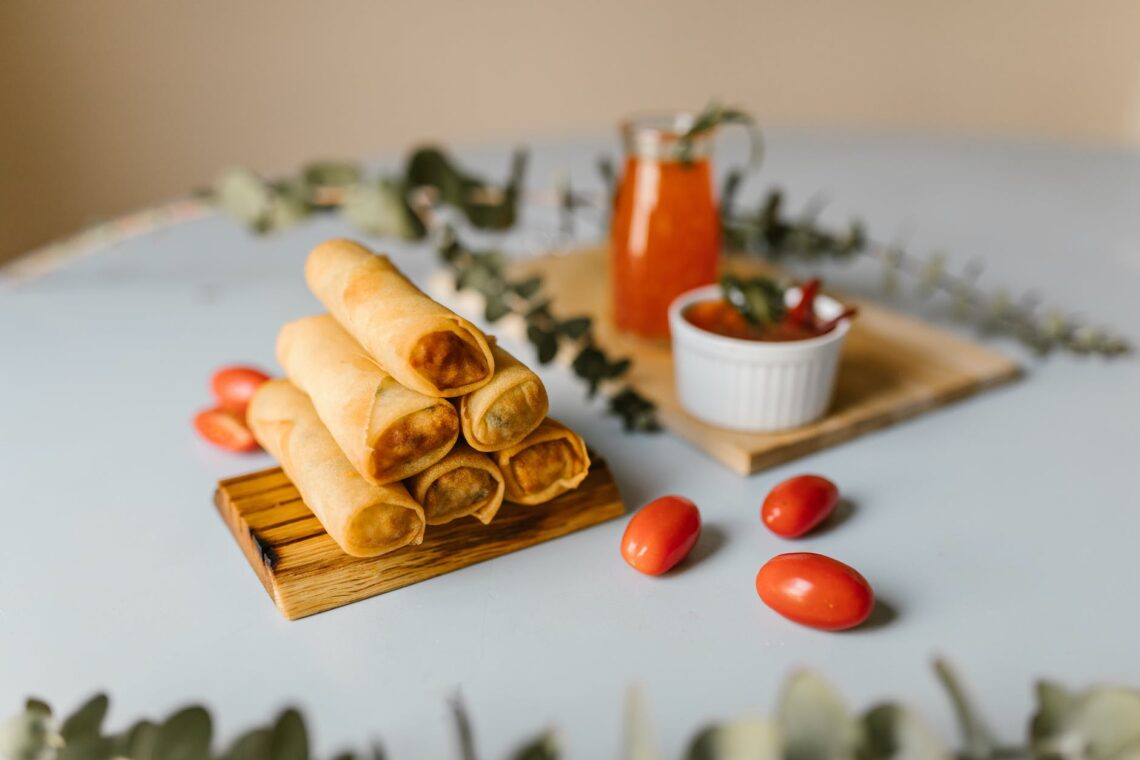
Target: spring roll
column 386, row 431
column 465, row 482
column 505, row 410
column 364, row 519
column 421, row 343
column 550, row 461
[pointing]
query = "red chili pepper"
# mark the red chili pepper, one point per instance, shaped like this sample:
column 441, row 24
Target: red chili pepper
column 829, row 325
column 803, row 313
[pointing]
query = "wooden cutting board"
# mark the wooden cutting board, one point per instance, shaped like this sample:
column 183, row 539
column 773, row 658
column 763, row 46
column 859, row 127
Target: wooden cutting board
column 305, row 572
column 893, row 367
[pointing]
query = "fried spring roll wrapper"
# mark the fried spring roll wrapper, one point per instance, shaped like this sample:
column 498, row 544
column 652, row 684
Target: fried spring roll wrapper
column 386, row 431
column 364, row 519
column 505, row 410
column 550, row 461
column 465, row 482
column 421, row 343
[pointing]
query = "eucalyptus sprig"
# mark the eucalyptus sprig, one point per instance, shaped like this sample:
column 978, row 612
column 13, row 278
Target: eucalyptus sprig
column 717, row 115
column 406, row 208
column 485, row 273
column 772, row 232
column 759, row 299
column 812, row 722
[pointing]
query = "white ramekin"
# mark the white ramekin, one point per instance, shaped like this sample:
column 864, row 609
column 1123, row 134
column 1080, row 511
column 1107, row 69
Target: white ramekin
column 749, row 385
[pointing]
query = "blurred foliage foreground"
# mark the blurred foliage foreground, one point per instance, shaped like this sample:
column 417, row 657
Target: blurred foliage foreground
column 812, row 722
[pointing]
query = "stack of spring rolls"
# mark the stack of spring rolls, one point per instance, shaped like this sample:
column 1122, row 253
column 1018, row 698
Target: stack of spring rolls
column 398, row 414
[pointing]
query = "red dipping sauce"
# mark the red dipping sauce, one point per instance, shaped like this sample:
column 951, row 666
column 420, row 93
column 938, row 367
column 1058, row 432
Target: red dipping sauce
column 722, row 318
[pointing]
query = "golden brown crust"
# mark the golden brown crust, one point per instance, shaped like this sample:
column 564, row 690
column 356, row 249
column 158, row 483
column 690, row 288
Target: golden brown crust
column 389, row 316
column 416, row 441
column 505, row 410
column 447, row 360
column 364, row 519
column 385, row 430
column 465, row 482
column 460, row 492
column 547, row 463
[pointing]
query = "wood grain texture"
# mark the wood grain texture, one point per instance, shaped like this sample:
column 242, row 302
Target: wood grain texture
column 306, row 573
column 893, row 367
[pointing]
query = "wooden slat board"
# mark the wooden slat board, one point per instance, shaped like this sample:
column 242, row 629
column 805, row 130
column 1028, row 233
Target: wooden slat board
column 893, row 367
column 305, row 572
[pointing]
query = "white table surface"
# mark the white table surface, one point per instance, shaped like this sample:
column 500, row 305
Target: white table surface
column 1004, row 529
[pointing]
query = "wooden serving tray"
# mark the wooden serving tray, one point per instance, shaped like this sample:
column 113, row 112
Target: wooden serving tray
column 305, row 572
column 893, row 367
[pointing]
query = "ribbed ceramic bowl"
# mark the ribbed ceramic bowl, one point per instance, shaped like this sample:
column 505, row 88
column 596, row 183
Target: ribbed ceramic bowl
column 749, row 385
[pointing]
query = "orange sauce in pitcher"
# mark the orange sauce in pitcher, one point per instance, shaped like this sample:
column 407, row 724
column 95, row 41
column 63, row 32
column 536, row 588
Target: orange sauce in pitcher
column 665, row 237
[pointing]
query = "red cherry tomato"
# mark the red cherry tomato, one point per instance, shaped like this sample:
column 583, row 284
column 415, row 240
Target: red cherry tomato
column 234, row 387
column 797, row 505
column 816, row 591
column 224, row 428
column 661, row 534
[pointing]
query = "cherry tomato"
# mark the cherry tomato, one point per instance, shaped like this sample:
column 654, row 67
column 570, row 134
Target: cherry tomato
column 797, row 505
column 224, row 428
column 234, row 387
column 816, row 591
column 661, row 534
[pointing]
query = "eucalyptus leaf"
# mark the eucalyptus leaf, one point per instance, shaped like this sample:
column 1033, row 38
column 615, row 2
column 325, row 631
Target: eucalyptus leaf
column 1100, row 724
column 34, row 704
column 892, row 732
column 979, row 742
column 814, row 721
column 496, row 308
column 290, row 740
column 138, row 742
column 88, row 747
column 331, row 174
column 463, row 731
column 243, row 195
column 637, row 413
column 29, row 735
column 545, row 747
column 252, row 745
column 527, row 288
column 576, row 327
column 639, row 743
column 87, row 720
column 744, row 739
column 185, row 735
column 545, row 343
column 379, row 208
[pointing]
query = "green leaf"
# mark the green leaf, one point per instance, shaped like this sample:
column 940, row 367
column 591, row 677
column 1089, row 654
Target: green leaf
column 87, row 720
column 243, row 195
column 637, row 413
column 978, row 740
column 545, row 343
column 891, row 732
column 185, row 735
column 1100, row 724
column 379, row 209
column 34, row 704
column 28, row 736
column 331, row 174
column 760, row 300
column 527, row 288
column 496, row 308
column 138, row 742
column 88, row 747
column 715, row 115
column 639, row 743
column 463, row 730
column 745, row 739
column 545, row 747
column 290, row 740
column 252, row 745
column 1054, row 706
column 814, row 721
column 576, row 327
column 485, row 206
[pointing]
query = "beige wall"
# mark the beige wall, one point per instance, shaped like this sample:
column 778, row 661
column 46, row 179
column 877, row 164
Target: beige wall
column 106, row 105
